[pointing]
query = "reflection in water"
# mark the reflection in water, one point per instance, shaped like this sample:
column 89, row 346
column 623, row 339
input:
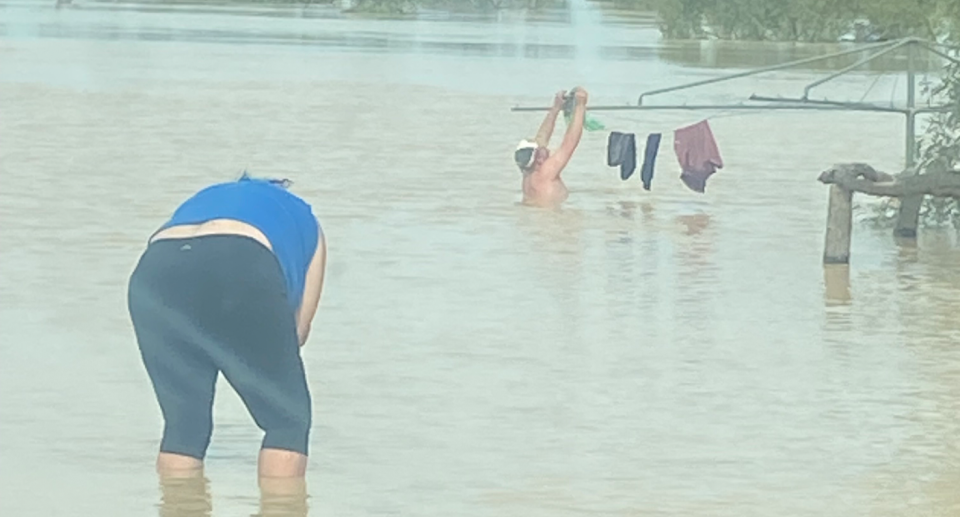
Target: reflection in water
column 189, row 496
column 694, row 223
column 283, row 498
column 627, row 209
column 185, row 496
column 907, row 250
column 556, row 244
column 696, row 270
column 922, row 476
column 836, row 279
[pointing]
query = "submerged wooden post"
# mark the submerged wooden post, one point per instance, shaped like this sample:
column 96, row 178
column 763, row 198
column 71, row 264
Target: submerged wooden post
column 846, row 178
column 839, row 224
column 908, row 217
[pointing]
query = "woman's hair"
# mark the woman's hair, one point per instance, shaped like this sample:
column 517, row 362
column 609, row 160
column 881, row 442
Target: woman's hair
column 282, row 182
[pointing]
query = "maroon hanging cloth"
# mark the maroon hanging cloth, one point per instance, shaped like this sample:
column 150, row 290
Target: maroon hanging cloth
column 698, row 154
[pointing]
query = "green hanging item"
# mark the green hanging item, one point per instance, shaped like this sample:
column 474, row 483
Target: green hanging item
column 589, row 123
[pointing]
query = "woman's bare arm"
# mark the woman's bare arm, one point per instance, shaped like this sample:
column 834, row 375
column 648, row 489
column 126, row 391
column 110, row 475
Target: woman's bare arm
column 313, row 286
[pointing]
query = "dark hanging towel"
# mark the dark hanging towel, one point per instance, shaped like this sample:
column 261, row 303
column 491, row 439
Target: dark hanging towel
column 649, row 158
column 622, row 151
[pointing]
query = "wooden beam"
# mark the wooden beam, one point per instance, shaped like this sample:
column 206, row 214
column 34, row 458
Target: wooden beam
column 860, row 177
column 839, row 223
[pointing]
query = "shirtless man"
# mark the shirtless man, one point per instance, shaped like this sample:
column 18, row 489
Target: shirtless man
column 541, row 169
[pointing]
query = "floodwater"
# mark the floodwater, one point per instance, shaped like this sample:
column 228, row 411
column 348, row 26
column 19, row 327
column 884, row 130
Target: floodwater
column 636, row 353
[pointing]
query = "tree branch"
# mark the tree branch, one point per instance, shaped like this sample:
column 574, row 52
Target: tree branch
column 860, row 177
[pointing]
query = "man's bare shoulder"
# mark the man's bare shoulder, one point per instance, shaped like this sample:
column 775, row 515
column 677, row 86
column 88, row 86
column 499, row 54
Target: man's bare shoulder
column 549, row 171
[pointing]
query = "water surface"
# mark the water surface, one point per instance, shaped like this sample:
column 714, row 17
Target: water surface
column 636, row 353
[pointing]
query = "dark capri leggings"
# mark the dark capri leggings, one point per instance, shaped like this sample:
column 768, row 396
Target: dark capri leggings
column 211, row 304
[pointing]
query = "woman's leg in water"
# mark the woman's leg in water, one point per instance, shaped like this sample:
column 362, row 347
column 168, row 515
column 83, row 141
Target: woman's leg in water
column 160, row 299
column 266, row 370
column 261, row 355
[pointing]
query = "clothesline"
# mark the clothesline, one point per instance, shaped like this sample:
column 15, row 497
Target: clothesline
column 722, row 113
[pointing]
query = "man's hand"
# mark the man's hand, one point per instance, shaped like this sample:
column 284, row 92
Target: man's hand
column 581, row 96
column 559, row 99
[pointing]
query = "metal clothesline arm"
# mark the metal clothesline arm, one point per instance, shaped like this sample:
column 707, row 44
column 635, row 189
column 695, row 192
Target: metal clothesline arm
column 771, row 68
column 944, row 45
column 803, row 103
column 859, row 63
column 825, row 102
column 939, row 53
column 725, row 107
column 933, row 109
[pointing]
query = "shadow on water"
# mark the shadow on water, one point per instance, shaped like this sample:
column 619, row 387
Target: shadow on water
column 189, row 496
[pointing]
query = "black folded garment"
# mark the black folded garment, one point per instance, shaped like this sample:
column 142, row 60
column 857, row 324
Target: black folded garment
column 622, row 151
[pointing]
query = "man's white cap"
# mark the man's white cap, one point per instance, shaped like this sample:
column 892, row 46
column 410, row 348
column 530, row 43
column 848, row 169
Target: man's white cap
column 526, row 144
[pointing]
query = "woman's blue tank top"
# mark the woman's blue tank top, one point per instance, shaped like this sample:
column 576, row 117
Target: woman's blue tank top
column 286, row 220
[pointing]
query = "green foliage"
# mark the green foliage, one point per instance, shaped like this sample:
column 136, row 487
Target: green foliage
column 940, row 145
column 939, row 148
column 803, row 20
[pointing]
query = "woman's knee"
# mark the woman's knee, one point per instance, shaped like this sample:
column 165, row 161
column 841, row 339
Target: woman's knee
column 294, row 438
column 186, row 440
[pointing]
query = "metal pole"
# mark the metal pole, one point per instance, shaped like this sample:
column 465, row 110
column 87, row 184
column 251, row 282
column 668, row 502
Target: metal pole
column 765, row 69
column 861, row 62
column 911, row 105
column 908, row 216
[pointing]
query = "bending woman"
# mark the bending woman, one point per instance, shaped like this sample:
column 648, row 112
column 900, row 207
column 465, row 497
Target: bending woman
column 231, row 284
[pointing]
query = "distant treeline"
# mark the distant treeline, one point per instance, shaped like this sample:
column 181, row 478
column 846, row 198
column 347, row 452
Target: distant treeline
column 763, row 20
column 807, row 20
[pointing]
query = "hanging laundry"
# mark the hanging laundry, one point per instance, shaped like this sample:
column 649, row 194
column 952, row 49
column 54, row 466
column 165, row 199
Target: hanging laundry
column 622, row 151
column 649, row 158
column 698, row 155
